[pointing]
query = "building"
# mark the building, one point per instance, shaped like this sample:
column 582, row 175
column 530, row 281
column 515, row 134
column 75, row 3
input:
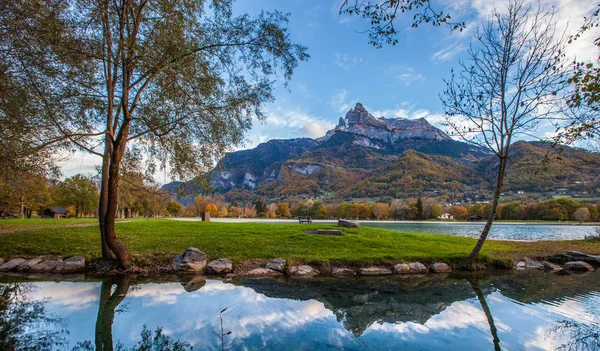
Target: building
column 446, row 216
column 55, row 212
column 8, row 214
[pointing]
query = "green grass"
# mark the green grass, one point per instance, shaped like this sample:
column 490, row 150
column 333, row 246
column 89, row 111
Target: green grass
column 159, row 240
column 11, row 225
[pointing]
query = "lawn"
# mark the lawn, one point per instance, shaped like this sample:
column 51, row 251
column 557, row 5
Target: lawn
column 13, row 225
column 159, row 240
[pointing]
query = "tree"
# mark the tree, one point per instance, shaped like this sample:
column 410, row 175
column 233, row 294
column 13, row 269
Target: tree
column 261, row 208
column 419, row 209
column 508, row 85
column 383, row 14
column 80, row 192
column 180, row 79
column 582, row 214
column 437, row 210
column 283, row 210
column 173, row 208
column 458, row 211
column 212, row 209
column 24, row 190
column 583, row 102
column 380, row 210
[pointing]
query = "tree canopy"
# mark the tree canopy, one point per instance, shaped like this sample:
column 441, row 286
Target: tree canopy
column 180, row 79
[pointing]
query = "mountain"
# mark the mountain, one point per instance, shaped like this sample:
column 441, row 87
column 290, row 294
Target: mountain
column 365, row 156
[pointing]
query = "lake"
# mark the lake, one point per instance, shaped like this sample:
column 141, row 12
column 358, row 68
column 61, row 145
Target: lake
column 526, row 310
column 499, row 231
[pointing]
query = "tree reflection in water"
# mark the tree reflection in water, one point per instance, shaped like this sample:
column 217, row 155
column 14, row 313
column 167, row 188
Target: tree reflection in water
column 488, row 314
column 109, row 302
column 579, row 335
column 24, row 324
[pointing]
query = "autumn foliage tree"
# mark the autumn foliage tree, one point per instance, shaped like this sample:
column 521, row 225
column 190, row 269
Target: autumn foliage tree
column 180, row 79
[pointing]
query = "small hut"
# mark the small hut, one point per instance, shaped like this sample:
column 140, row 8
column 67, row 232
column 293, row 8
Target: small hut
column 55, row 212
column 8, row 214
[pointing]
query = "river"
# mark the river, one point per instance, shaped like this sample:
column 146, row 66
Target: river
column 526, row 310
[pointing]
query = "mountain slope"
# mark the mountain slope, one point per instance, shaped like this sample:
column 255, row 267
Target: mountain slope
column 365, row 156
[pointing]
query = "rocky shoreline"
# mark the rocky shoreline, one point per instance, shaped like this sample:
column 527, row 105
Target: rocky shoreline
column 195, row 262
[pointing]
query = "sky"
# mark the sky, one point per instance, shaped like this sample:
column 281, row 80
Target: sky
column 404, row 80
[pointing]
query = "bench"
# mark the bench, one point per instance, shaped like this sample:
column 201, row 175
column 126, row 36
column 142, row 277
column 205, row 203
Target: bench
column 304, row 219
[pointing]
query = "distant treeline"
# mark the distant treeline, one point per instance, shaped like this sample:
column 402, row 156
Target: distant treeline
column 421, row 209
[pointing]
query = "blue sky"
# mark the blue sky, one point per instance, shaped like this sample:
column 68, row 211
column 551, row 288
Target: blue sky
column 395, row 81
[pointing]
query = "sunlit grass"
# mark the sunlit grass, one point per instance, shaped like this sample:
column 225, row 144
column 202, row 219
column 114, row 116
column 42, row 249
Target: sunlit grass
column 159, row 240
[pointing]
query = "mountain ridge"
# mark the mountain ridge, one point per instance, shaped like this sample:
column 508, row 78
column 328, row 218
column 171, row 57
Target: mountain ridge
column 365, row 156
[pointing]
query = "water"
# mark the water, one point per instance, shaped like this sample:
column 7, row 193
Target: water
column 522, row 311
column 499, row 231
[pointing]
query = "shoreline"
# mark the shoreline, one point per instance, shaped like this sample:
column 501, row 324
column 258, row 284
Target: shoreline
column 334, row 221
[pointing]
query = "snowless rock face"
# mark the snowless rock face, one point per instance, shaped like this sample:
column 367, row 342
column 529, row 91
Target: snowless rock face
column 359, row 121
column 307, row 170
column 223, row 179
column 249, row 181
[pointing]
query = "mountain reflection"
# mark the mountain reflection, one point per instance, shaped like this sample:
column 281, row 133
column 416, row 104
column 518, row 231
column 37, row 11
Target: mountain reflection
column 529, row 310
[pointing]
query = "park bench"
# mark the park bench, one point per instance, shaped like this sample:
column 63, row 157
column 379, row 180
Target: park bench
column 304, row 219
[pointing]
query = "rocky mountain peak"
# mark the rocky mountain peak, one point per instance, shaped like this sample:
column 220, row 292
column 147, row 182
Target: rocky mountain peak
column 359, row 121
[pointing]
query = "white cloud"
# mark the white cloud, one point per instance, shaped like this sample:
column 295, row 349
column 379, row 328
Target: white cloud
column 71, row 296
column 346, row 61
column 340, row 104
column 283, row 122
column 449, row 52
column 569, row 15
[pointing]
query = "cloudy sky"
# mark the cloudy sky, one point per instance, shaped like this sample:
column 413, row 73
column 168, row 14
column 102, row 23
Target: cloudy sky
column 395, row 81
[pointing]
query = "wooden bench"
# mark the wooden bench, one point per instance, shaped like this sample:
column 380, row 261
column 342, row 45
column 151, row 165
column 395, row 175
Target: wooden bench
column 304, row 219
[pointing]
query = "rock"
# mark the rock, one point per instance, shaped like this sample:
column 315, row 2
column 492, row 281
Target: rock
column 343, row 272
column 263, row 272
column 276, row 264
column 580, row 256
column 192, row 260
column 303, row 271
column 520, row 265
column 569, row 256
column 593, row 238
column 374, row 271
column 1, row 261
column 71, row 264
column 440, row 267
column 46, row 266
column 348, row 223
column 219, row 266
column 552, row 267
column 579, row 266
column 192, row 283
column 529, row 263
column 26, row 266
column 12, row 264
column 410, row 268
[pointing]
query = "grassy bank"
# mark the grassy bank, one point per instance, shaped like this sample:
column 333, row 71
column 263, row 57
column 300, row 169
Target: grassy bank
column 159, row 240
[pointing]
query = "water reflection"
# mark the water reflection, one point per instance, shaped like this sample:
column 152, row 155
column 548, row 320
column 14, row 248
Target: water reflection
column 528, row 310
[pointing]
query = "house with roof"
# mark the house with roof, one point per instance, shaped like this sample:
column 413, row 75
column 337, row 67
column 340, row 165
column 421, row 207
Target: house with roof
column 446, row 216
column 55, row 212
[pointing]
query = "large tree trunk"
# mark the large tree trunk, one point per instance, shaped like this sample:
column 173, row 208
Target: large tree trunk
column 492, row 215
column 117, row 247
column 107, row 253
column 106, row 312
